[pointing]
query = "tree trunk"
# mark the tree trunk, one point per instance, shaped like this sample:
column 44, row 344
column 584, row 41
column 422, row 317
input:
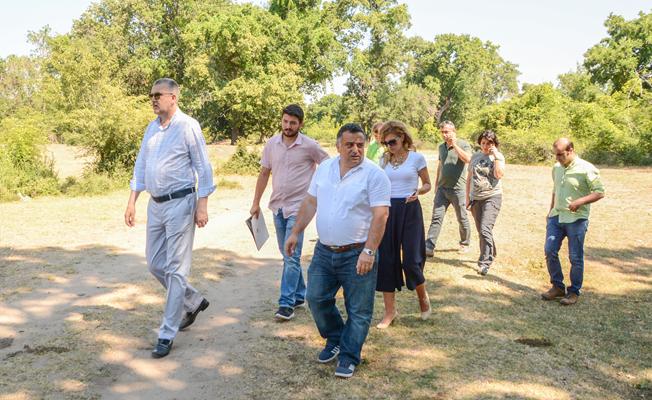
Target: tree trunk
column 235, row 133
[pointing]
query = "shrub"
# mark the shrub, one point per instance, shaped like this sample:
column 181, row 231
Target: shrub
column 23, row 168
column 242, row 162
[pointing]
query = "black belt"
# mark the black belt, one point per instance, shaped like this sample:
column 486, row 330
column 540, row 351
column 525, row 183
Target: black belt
column 343, row 248
column 174, row 195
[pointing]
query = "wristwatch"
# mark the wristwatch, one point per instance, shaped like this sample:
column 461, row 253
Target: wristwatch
column 369, row 252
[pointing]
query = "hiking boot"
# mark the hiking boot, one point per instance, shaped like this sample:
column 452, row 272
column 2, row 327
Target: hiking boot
column 569, row 299
column 284, row 313
column 189, row 318
column 329, row 353
column 344, row 369
column 162, row 349
column 553, row 293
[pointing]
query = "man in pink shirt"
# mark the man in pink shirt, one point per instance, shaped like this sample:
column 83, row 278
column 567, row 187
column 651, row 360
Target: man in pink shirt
column 291, row 158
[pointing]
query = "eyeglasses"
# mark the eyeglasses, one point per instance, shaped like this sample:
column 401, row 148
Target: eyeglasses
column 389, row 142
column 157, row 96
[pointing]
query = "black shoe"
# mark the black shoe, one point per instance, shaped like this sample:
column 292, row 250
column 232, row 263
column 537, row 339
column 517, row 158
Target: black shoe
column 284, row 313
column 162, row 348
column 299, row 303
column 189, row 318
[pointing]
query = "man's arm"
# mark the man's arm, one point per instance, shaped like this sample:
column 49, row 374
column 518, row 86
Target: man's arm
column 261, row 184
column 552, row 203
column 379, row 217
column 461, row 153
column 130, row 213
column 588, row 199
column 437, row 175
column 306, row 213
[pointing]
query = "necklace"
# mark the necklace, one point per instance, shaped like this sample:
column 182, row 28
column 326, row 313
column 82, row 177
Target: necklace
column 397, row 162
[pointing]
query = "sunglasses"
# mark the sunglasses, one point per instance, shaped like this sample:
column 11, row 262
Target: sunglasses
column 157, row 95
column 389, row 142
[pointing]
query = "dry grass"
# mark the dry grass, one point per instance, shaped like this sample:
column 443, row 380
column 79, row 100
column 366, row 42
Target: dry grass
column 492, row 338
column 488, row 338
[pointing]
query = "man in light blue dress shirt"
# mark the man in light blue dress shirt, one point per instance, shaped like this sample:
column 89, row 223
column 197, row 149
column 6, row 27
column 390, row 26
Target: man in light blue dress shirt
column 171, row 159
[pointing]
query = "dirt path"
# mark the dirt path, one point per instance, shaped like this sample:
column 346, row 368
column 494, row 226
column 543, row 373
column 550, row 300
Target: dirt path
column 81, row 310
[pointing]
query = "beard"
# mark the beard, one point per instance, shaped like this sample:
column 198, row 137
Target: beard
column 290, row 133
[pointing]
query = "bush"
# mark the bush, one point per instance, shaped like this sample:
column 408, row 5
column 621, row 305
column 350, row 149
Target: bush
column 23, row 168
column 242, row 162
column 92, row 184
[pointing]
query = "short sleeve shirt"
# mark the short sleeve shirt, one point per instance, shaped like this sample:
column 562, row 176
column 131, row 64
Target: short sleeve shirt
column 452, row 174
column 484, row 183
column 405, row 177
column 344, row 204
column 292, row 168
column 577, row 180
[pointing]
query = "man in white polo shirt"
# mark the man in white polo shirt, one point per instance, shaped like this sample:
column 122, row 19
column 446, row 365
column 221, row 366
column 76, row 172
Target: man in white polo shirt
column 351, row 197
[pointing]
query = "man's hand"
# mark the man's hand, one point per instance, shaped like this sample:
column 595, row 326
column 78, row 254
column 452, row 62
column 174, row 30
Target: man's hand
column 365, row 263
column 201, row 215
column 450, row 138
column 574, row 205
column 255, row 210
column 130, row 215
column 291, row 244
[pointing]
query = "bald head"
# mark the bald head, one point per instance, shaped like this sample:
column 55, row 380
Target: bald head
column 564, row 151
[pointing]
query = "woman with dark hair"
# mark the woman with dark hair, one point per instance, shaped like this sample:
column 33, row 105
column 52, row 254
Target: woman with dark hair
column 484, row 194
column 404, row 233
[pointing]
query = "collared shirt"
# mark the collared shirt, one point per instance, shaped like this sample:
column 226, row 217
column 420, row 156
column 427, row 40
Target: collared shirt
column 292, row 167
column 452, row 174
column 170, row 157
column 577, row 180
column 344, row 204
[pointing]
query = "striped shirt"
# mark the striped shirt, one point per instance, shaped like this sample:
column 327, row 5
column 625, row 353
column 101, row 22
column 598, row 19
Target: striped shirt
column 173, row 158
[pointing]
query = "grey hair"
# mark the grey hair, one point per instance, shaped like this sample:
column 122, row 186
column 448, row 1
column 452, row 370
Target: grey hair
column 172, row 85
column 447, row 123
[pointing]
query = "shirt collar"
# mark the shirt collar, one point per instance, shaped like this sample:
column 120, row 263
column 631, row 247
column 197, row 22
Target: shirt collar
column 297, row 141
column 174, row 116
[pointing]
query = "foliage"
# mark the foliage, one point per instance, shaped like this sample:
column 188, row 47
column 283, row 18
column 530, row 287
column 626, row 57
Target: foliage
column 624, row 59
column 23, row 168
column 243, row 162
column 94, row 184
column 463, row 72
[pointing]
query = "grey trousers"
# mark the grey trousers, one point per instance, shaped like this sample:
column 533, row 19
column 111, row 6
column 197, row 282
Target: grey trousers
column 443, row 198
column 170, row 234
column 485, row 213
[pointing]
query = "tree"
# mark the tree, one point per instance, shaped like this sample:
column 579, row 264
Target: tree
column 463, row 71
column 376, row 32
column 625, row 57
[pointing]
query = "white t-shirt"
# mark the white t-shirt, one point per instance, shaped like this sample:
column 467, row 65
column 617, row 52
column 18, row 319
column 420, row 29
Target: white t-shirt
column 405, row 178
column 344, row 205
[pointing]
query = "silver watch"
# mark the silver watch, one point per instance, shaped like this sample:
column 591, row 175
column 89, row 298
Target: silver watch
column 369, row 252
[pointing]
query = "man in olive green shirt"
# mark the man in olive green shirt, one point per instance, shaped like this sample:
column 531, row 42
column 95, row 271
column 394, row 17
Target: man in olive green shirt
column 450, row 184
column 577, row 184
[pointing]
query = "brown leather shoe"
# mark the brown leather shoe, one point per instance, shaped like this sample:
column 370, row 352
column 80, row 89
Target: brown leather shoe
column 569, row 299
column 553, row 293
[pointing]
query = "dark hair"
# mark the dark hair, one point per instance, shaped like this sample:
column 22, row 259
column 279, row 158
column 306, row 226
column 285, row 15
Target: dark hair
column 172, row 85
column 352, row 128
column 490, row 136
column 294, row 110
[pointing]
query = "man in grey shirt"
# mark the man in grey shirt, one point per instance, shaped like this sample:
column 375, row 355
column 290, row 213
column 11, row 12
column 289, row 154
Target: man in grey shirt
column 450, row 181
column 172, row 157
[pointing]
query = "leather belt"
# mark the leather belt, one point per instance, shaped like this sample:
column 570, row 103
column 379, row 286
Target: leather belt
column 343, row 248
column 174, row 195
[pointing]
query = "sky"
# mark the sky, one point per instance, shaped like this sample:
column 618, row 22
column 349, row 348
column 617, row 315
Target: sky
column 544, row 38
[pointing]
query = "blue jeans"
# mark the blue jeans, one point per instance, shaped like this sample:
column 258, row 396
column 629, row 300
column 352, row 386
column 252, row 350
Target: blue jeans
column 328, row 272
column 555, row 234
column 293, row 287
